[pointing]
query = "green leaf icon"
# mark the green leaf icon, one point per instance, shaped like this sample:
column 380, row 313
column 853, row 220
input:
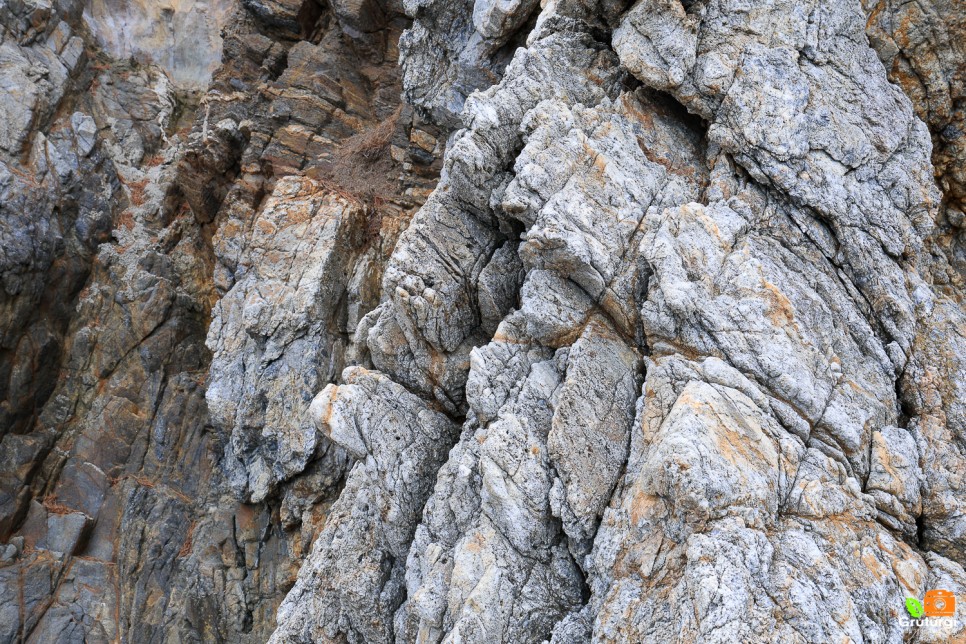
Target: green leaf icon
column 914, row 606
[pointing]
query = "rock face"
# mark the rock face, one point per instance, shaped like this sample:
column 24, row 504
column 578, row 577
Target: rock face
column 183, row 37
column 494, row 321
column 159, row 248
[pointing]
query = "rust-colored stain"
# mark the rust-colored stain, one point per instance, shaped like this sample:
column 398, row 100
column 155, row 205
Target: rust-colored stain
column 780, row 309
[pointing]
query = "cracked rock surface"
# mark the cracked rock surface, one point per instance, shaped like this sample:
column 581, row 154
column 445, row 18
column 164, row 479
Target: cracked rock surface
column 482, row 321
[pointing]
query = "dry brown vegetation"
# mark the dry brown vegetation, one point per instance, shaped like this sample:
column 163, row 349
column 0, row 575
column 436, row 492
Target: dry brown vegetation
column 363, row 170
column 135, row 190
column 53, row 506
column 374, row 143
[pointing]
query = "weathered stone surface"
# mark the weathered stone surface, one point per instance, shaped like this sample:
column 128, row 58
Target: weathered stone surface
column 773, row 431
column 810, row 112
column 361, row 553
column 673, row 351
column 921, row 46
column 590, row 431
column 128, row 212
column 183, row 37
column 272, row 335
column 454, row 48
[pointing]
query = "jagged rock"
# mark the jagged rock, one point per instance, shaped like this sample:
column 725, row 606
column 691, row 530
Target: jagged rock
column 492, row 561
column 282, row 14
column 35, row 73
column 922, row 49
column 431, row 320
column 673, row 350
column 811, row 113
column 361, row 553
column 111, row 213
column 273, row 336
column 454, row 48
column 590, row 431
column 758, row 415
column 895, row 477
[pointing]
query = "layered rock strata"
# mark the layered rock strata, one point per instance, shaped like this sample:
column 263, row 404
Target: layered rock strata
column 673, row 350
column 716, row 406
column 145, row 226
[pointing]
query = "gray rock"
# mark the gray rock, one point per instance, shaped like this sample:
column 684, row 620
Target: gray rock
column 673, row 350
column 85, row 130
column 273, row 337
column 776, row 279
column 590, row 431
column 360, row 555
column 184, row 39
